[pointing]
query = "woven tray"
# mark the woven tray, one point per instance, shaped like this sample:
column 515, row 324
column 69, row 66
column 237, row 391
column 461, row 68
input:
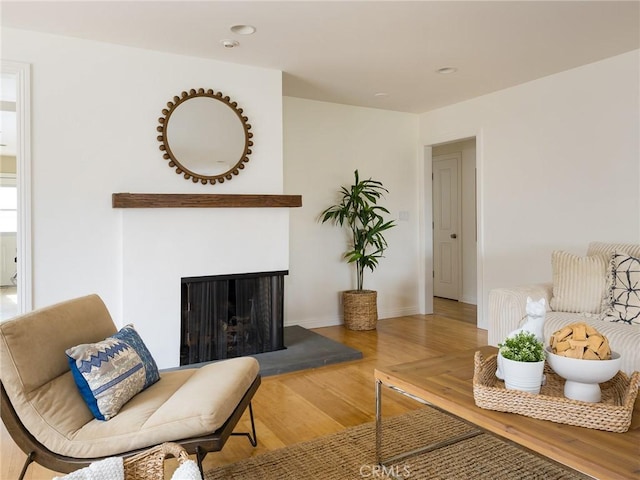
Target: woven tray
column 149, row 465
column 612, row 413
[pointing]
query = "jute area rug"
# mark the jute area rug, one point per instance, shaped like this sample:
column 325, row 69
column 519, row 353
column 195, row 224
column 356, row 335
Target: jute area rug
column 350, row 454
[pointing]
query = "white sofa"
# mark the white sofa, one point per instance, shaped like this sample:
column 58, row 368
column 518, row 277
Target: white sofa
column 507, row 311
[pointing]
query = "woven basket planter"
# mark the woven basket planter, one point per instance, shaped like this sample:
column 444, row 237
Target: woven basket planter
column 360, row 309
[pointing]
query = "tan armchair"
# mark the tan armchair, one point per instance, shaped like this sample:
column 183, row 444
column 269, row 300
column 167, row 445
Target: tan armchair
column 48, row 419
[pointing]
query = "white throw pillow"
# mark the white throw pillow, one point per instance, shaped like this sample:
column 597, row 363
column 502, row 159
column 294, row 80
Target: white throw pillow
column 579, row 283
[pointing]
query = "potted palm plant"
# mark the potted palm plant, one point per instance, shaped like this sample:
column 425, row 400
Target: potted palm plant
column 359, row 211
column 522, row 362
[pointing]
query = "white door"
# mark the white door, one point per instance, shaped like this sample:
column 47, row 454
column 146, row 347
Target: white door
column 446, row 226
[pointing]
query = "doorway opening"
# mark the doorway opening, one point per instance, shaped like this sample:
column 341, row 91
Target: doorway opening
column 8, row 239
column 15, row 205
column 454, row 221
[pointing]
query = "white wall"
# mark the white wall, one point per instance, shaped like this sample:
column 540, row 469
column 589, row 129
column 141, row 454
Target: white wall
column 324, row 143
column 95, row 108
column 467, row 150
column 558, row 166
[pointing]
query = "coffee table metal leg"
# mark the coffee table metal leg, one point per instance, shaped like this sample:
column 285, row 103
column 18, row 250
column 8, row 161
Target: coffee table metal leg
column 378, row 422
column 424, row 449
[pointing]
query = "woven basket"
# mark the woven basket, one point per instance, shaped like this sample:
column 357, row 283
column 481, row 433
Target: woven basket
column 149, row 465
column 360, row 308
column 613, row 413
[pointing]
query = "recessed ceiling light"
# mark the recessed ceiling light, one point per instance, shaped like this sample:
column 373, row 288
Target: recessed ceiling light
column 229, row 43
column 243, row 29
column 446, row 70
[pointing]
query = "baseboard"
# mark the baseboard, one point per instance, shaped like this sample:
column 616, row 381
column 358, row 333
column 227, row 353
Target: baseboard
column 398, row 312
column 319, row 322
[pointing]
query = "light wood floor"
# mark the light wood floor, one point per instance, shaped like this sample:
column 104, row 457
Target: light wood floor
column 300, row 406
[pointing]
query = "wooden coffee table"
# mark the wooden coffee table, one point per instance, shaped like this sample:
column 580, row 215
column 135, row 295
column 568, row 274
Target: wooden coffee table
column 447, row 383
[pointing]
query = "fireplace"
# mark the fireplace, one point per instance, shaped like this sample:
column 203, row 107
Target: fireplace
column 227, row 316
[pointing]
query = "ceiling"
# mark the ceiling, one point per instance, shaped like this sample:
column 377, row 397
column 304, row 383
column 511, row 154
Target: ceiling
column 347, row 51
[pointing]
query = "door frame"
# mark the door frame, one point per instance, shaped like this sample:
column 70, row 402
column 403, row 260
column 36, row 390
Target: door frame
column 22, row 72
column 426, row 219
column 458, row 158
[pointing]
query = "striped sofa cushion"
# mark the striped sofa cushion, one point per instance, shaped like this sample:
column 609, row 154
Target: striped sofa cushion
column 579, row 283
column 607, row 249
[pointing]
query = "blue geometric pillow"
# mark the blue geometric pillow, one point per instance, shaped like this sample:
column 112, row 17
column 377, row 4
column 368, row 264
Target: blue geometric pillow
column 111, row 372
column 129, row 335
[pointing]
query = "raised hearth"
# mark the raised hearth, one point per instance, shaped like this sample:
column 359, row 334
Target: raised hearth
column 304, row 349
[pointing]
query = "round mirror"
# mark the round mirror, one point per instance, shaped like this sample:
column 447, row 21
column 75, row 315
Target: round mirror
column 204, row 136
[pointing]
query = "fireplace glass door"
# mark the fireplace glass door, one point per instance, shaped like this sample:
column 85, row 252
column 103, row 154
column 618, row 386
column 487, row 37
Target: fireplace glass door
column 231, row 316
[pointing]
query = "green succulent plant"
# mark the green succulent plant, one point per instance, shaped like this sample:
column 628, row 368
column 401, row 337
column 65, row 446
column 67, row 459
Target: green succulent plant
column 522, row 347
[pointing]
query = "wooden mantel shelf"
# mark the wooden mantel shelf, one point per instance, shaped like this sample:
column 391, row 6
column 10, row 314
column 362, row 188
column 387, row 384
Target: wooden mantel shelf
column 188, row 200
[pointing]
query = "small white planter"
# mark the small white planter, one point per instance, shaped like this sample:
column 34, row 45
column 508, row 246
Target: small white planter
column 523, row 376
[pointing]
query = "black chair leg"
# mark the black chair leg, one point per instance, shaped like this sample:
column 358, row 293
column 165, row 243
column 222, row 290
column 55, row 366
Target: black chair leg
column 200, row 454
column 27, row 462
column 253, row 439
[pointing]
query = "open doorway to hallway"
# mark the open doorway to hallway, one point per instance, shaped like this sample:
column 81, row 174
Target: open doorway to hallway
column 454, row 221
column 464, row 312
column 8, row 199
column 15, row 196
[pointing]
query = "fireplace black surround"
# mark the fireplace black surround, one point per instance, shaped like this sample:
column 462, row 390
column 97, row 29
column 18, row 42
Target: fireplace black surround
column 226, row 316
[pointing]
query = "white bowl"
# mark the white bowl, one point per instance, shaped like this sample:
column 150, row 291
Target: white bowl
column 584, row 376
